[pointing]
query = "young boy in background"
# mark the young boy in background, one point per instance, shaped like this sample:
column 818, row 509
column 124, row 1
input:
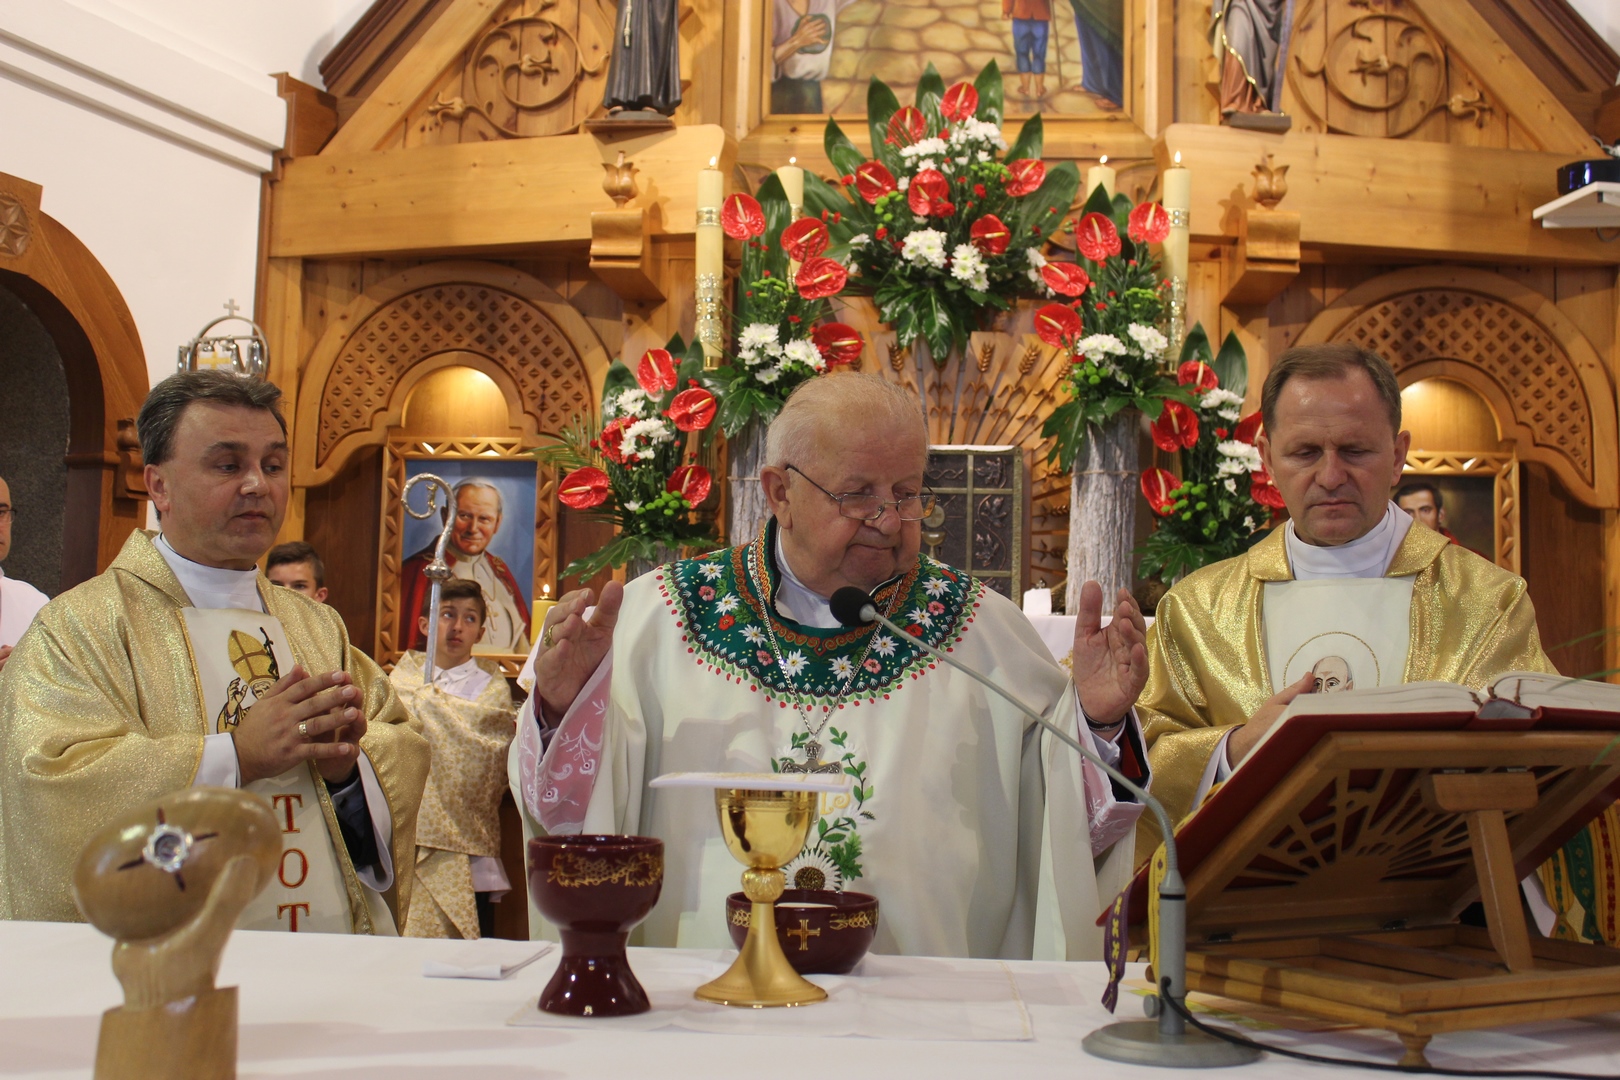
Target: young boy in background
column 468, row 719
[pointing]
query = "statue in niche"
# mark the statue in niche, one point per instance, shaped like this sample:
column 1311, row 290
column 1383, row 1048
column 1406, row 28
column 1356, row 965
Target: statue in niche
column 644, row 74
column 1250, row 39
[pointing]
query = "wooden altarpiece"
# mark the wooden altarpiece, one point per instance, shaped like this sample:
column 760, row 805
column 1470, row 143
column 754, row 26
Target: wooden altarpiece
column 1327, row 875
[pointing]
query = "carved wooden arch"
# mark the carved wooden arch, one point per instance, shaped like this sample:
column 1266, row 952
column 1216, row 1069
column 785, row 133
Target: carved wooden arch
column 508, row 324
column 1507, row 342
column 74, row 298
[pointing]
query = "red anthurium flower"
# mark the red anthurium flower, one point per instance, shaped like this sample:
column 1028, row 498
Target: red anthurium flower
column 820, row 278
column 961, row 101
column 1057, row 324
column 742, row 217
column 1248, row 429
column 805, row 239
column 692, row 410
column 584, row 488
column 1066, row 279
column 990, row 235
column 930, row 194
column 1264, row 492
column 907, row 126
column 1159, row 487
column 611, row 441
column 656, row 372
column 1149, row 223
column 1176, row 428
column 873, row 181
column 692, row 482
column 1024, row 176
column 838, row 343
column 1198, row 375
column 1097, row 238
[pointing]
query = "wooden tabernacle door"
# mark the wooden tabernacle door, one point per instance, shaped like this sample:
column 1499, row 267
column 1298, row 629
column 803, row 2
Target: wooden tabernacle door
column 1326, row 876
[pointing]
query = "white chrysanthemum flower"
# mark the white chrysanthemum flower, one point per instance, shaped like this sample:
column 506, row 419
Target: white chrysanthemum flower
column 794, row 662
column 728, row 603
column 632, row 505
column 631, row 402
column 812, row 869
column 925, row 247
column 1236, row 458
column 757, row 336
column 768, row 375
column 1035, row 275
column 903, row 183
column 1098, row 346
column 1149, row 340
column 859, row 240
column 883, row 645
column 1218, row 398
column 924, row 148
column 710, row 571
column 1248, row 523
column 1234, row 414
column 753, row 635
column 803, row 352
column 974, row 130
column 1036, row 259
column 842, row 667
column 937, row 587
column 1230, row 485
column 967, row 264
column 645, row 434
column 920, row 615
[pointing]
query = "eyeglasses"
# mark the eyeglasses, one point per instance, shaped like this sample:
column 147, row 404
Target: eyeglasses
column 862, row 507
column 9, row 512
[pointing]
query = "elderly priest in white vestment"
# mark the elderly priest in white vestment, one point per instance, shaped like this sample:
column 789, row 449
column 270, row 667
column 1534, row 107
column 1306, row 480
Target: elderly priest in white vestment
column 183, row 665
column 979, row 834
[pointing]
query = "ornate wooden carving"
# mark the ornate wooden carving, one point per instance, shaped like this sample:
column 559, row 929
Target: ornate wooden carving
column 15, row 227
column 1542, row 377
column 501, row 321
column 538, row 69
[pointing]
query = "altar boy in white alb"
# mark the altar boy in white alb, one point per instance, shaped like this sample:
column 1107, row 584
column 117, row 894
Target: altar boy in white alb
column 979, row 835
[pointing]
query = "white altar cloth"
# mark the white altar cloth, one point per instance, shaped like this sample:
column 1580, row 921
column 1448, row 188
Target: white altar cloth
column 356, row 1008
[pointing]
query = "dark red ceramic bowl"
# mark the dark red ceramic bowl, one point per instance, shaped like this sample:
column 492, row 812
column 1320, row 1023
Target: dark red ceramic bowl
column 595, row 889
column 822, row 932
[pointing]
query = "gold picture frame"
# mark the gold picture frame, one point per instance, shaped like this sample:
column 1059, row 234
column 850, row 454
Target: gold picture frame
column 1502, row 468
column 467, row 453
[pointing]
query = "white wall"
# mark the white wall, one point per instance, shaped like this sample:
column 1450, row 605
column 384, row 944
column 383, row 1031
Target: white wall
column 1602, row 16
column 148, row 123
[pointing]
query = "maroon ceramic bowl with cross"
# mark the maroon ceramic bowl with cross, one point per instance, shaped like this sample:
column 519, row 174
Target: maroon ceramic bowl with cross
column 595, row 889
column 821, row 931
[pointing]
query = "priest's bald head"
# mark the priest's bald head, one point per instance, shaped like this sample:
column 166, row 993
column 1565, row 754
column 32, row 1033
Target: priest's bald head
column 216, row 465
column 840, row 437
column 1333, row 441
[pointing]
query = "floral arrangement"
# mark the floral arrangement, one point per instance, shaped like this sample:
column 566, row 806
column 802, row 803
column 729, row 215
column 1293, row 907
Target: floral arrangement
column 945, row 220
column 783, row 299
column 634, row 468
column 1224, row 494
column 1110, row 323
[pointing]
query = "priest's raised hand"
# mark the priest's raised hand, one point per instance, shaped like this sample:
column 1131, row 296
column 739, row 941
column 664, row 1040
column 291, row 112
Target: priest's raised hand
column 573, row 646
column 1110, row 662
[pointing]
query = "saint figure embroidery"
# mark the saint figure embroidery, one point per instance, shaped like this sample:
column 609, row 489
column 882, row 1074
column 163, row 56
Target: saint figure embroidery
column 256, row 672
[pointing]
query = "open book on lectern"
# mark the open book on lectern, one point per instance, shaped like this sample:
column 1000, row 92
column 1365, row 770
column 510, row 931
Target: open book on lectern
column 1387, row 726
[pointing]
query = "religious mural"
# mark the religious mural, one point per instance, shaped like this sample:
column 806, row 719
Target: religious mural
column 1059, row 57
column 492, row 543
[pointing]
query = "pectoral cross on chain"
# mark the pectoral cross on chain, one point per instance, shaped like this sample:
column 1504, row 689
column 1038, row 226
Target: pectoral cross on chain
column 812, row 762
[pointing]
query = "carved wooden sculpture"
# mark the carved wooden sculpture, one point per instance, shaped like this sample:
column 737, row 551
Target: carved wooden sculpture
column 167, row 881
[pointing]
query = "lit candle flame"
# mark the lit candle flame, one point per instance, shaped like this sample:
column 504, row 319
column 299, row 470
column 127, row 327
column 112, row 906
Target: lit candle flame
column 793, row 161
column 1178, row 157
column 1103, row 160
column 714, row 161
column 545, row 591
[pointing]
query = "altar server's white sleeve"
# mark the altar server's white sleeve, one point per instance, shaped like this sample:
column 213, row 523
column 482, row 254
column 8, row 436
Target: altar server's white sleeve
column 218, row 767
column 381, row 876
column 1216, row 771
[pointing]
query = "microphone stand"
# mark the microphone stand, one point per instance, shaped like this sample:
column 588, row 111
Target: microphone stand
column 1165, row 1040
column 437, row 570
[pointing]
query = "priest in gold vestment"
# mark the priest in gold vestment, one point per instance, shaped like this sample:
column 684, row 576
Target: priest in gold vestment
column 182, row 665
column 1230, row 647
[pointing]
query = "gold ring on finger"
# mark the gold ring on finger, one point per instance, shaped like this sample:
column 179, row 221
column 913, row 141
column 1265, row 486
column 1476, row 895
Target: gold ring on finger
column 303, row 730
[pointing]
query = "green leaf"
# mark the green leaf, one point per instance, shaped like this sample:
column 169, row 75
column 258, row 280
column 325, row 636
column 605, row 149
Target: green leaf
column 843, row 153
column 1067, row 427
column 991, row 103
column 1195, row 346
column 1030, row 139
column 881, row 105
column 1097, row 203
column 1232, row 365
column 1055, row 193
column 930, row 92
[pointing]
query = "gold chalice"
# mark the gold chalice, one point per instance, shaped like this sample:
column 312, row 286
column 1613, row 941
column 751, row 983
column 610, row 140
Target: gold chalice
column 765, row 830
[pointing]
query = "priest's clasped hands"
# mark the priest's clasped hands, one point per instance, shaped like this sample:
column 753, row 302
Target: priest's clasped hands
column 270, row 740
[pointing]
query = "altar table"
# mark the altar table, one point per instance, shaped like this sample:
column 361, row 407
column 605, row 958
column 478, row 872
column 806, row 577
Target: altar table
column 360, row 1009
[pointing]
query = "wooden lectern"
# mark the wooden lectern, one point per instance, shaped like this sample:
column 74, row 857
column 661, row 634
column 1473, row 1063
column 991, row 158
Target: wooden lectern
column 1326, row 875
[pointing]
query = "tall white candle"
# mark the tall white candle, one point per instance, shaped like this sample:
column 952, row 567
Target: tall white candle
column 711, row 253
column 1177, row 197
column 1101, row 175
column 792, row 177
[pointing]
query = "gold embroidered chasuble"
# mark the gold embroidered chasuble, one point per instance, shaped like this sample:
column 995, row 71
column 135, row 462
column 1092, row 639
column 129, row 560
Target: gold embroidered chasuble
column 100, row 712
column 461, row 808
column 1471, row 621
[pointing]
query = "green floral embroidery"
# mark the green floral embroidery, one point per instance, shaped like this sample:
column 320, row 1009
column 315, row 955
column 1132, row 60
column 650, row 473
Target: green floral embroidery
column 833, row 858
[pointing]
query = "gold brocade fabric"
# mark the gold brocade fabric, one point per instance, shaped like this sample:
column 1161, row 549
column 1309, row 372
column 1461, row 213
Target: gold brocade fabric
column 461, row 808
column 100, row 711
column 1471, row 623
column 443, row 904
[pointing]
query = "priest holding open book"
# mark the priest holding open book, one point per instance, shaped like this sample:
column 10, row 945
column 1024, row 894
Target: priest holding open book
column 1346, row 595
